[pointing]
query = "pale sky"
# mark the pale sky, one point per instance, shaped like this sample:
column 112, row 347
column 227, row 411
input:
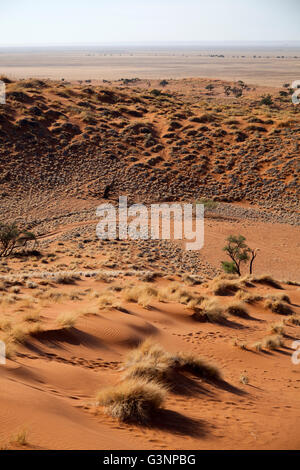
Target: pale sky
column 42, row 22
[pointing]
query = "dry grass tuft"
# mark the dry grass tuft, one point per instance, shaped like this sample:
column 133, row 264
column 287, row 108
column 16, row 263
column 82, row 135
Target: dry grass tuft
column 108, row 300
column 294, row 320
column 209, row 311
column 65, row 279
column 239, row 344
column 67, row 320
column 280, row 297
column 197, row 366
column 277, row 306
column 133, row 400
column 246, row 297
column 20, row 438
column 17, row 334
column 142, row 295
column 33, row 316
column 225, row 286
column 272, row 342
column 150, row 361
column 266, row 279
column 237, row 309
column 257, row 346
column 191, row 280
column 277, row 328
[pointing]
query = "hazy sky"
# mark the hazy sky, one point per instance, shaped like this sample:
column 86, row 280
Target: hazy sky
column 42, row 22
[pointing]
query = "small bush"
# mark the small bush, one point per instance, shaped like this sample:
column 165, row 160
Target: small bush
column 294, row 320
column 277, row 328
column 197, row 366
column 279, row 307
column 66, row 320
column 132, row 400
column 272, row 342
column 142, row 295
column 224, row 287
column 65, row 279
column 266, row 279
column 247, row 298
column 237, row 309
column 257, row 346
column 20, row 438
column 266, row 100
column 239, row 344
column 107, row 300
column 282, row 297
column 209, row 311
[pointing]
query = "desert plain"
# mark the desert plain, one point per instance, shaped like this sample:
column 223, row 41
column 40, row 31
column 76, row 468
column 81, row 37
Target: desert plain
column 84, row 318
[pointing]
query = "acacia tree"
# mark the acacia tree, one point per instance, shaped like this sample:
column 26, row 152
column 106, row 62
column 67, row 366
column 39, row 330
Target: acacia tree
column 239, row 252
column 11, row 237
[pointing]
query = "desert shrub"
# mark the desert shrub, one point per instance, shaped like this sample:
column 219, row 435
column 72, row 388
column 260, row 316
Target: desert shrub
column 67, row 320
column 150, row 361
column 272, row 342
column 280, row 297
column 107, row 300
column 278, row 306
column 132, row 400
column 20, row 438
column 237, row 309
column 209, row 311
column 157, row 370
column 266, row 279
column 142, row 294
column 32, row 316
column 11, row 237
column 196, row 365
column 266, row 100
column 191, row 280
column 209, row 204
column 229, row 267
column 294, row 320
column 293, row 283
column 224, row 287
column 65, row 278
column 17, row 334
column 148, row 276
column 204, row 118
column 246, row 297
column 277, row 328
column 257, row 346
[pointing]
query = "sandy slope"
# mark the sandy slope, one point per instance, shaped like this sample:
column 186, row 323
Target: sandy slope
column 49, row 388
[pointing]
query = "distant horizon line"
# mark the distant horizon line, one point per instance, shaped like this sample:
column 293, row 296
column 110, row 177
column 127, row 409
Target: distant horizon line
column 283, row 42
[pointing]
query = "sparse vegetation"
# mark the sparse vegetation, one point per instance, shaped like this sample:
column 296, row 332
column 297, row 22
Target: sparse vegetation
column 132, row 400
column 272, row 342
column 239, row 252
column 11, row 237
column 278, row 306
column 237, row 309
column 210, row 311
column 67, row 320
